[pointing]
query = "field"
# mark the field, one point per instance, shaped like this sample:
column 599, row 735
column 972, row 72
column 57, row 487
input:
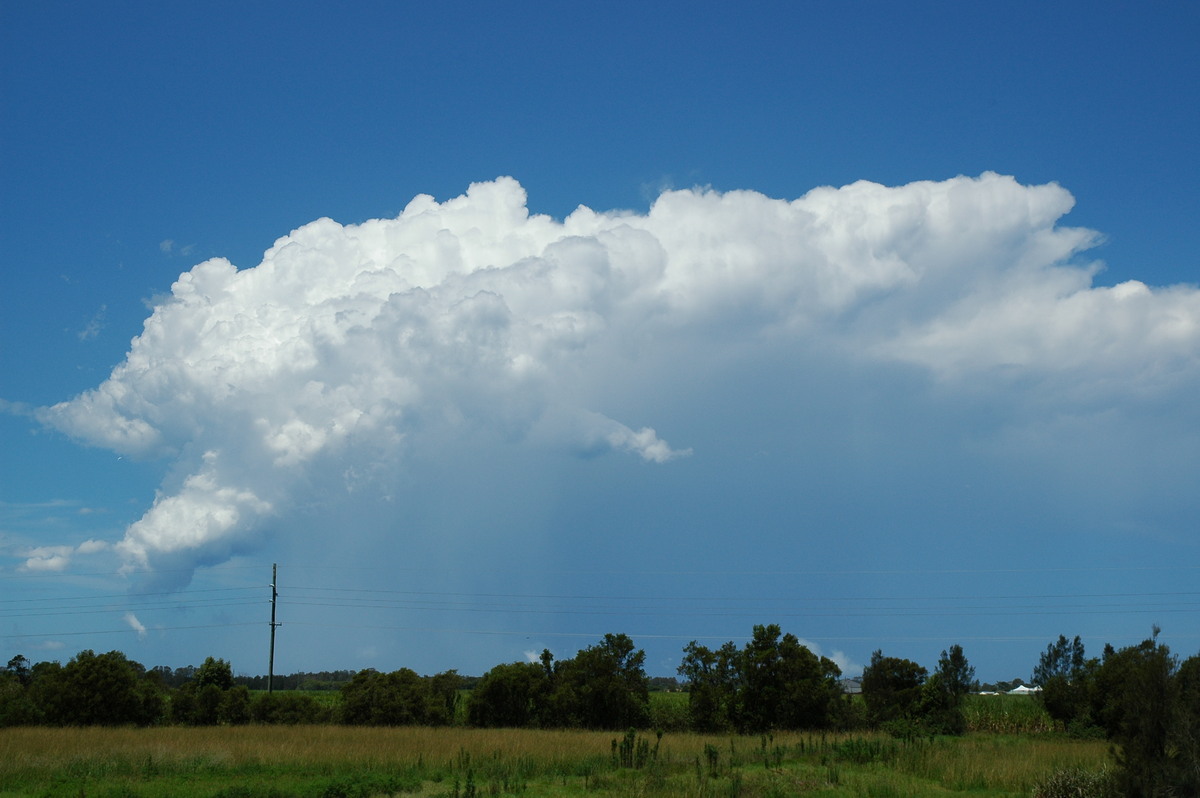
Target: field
column 333, row 761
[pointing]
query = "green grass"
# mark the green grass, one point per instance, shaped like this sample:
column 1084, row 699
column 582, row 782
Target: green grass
column 332, row 761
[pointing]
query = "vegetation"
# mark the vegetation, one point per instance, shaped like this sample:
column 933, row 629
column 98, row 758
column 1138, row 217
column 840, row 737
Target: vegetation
column 772, row 683
column 909, row 732
column 320, row 761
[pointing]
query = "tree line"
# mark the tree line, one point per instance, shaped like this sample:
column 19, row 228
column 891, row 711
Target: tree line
column 772, row 682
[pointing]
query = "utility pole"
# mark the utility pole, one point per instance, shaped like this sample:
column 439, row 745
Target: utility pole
column 274, row 601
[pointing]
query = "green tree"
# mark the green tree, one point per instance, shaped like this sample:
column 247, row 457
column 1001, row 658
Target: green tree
column 1184, row 738
column 945, row 690
column 892, row 690
column 507, row 696
column 204, row 699
column 783, row 685
column 234, row 707
column 400, row 698
column 215, row 672
column 810, row 694
column 603, row 687
column 205, row 710
column 1141, row 716
column 958, row 675
column 1065, row 676
column 711, row 679
column 441, row 705
column 16, row 705
column 774, row 682
column 18, row 668
column 96, row 689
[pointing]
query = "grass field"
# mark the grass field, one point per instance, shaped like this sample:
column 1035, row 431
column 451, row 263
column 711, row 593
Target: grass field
column 336, row 761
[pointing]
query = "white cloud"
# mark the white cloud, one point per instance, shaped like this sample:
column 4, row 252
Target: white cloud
column 47, row 558
column 94, row 325
column 363, row 343
column 57, row 558
column 135, row 625
column 48, row 645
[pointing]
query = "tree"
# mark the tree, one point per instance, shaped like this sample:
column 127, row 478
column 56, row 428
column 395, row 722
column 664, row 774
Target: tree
column 958, row 676
column 400, row 698
column 1141, row 716
column 1064, row 674
column 603, row 687
column 98, row 689
column 892, row 690
column 774, row 682
column 441, row 704
column 811, row 697
column 783, row 685
column 945, row 690
column 204, row 699
column 760, row 680
column 18, row 668
column 1185, row 733
column 215, row 672
column 16, row 706
column 507, row 696
column 711, row 679
column 234, row 708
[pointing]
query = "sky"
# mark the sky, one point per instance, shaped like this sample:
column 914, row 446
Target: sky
column 501, row 326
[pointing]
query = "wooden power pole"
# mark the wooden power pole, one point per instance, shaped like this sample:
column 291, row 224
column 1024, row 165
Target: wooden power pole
column 274, row 601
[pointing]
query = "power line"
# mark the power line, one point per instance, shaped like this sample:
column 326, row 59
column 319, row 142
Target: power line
column 389, row 602
column 128, row 630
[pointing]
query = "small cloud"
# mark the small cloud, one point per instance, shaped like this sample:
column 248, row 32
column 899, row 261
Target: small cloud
column 533, row 656
column 48, row 645
column 16, row 408
column 57, row 558
column 47, row 558
column 135, row 625
column 94, row 325
column 848, row 666
column 168, row 247
column 592, row 434
column 646, row 443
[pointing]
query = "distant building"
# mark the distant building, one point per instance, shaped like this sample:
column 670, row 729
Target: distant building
column 851, row 686
column 1024, row 690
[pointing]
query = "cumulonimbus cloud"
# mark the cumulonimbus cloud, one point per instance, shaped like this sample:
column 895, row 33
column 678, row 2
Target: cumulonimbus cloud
column 363, row 340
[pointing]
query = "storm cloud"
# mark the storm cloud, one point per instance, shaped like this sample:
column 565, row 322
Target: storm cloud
column 351, row 346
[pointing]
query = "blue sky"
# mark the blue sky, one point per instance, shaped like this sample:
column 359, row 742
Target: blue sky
column 880, row 323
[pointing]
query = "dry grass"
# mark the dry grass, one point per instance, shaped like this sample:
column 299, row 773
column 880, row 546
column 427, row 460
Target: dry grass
column 313, row 760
